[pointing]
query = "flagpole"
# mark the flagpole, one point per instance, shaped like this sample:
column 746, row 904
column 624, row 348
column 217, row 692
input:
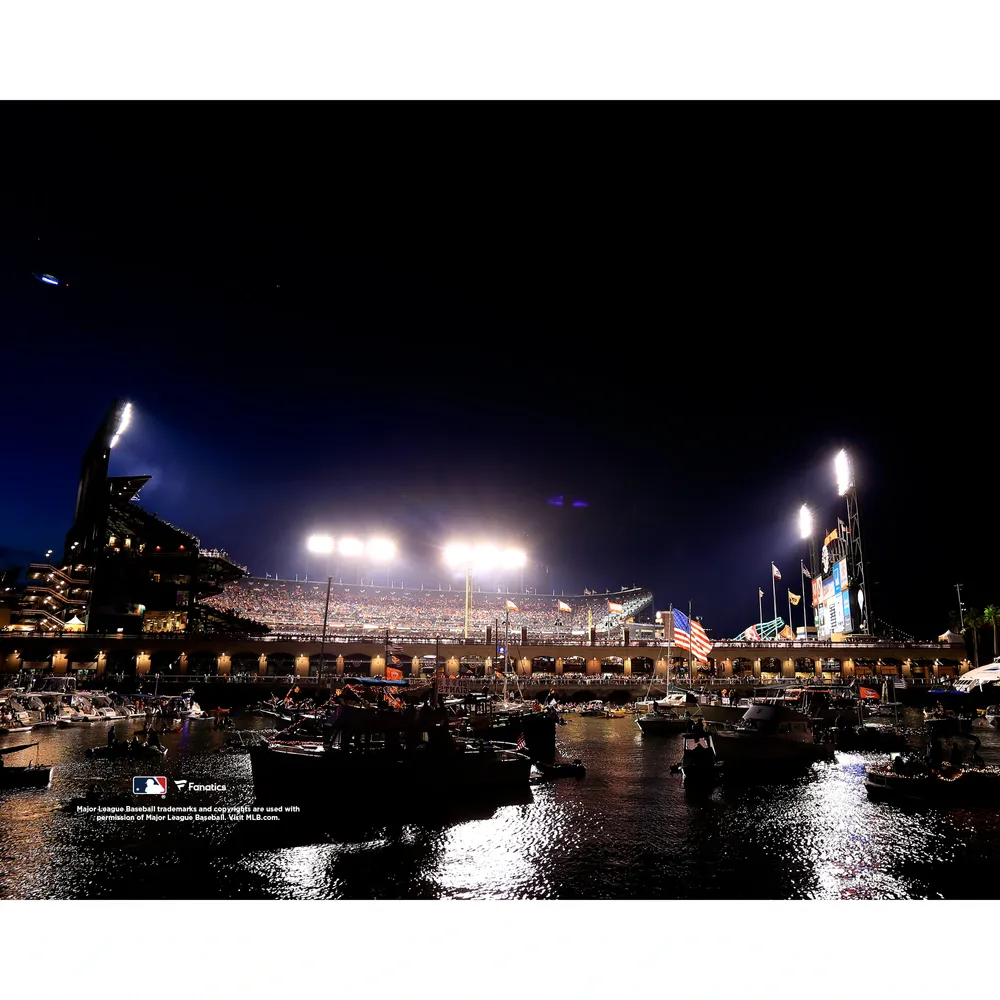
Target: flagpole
column 790, row 610
column 670, row 636
column 690, row 653
column 774, row 599
column 760, row 605
column 805, row 605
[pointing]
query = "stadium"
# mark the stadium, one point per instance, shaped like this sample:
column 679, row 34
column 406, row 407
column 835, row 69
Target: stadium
column 300, row 607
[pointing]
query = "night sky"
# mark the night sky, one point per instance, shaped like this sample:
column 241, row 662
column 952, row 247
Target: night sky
column 435, row 351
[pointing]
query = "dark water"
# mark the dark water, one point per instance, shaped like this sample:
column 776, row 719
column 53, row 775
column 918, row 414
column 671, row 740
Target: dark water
column 629, row 830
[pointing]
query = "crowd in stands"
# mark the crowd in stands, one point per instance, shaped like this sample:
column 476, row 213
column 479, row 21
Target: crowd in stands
column 288, row 606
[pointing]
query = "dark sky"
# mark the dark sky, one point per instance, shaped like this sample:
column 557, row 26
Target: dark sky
column 427, row 344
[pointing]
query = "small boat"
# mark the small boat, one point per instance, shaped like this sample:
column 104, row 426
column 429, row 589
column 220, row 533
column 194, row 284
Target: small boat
column 561, row 768
column 128, row 750
column 869, row 737
column 658, row 722
column 30, row 776
column 15, row 729
column 699, row 764
column 595, row 709
column 965, row 778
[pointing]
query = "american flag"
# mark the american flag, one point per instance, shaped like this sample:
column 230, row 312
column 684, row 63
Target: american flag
column 690, row 635
column 521, row 742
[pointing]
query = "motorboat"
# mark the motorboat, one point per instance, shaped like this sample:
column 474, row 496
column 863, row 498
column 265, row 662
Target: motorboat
column 561, row 768
column 770, row 733
column 595, row 709
column 31, row 775
column 868, row 736
column 672, row 700
column 964, row 777
column 131, row 750
column 699, row 762
column 660, row 722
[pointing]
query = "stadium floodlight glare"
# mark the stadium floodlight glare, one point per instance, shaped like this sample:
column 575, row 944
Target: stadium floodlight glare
column 351, row 547
column 381, row 549
column 485, row 557
column 457, row 554
column 322, row 544
column 805, row 522
column 845, row 477
column 513, row 559
column 123, row 421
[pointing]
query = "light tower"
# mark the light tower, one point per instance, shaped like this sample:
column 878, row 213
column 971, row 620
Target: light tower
column 855, row 558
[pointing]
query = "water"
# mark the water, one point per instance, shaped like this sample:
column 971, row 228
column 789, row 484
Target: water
column 629, row 830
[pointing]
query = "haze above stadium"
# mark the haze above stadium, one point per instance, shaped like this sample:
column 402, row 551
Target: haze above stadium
column 433, row 369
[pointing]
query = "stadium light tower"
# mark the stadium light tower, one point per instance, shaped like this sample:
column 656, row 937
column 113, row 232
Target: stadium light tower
column 382, row 550
column 847, row 488
column 479, row 558
column 321, row 545
column 806, row 532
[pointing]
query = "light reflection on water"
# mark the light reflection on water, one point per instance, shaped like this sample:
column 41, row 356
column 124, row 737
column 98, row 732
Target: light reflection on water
column 629, row 830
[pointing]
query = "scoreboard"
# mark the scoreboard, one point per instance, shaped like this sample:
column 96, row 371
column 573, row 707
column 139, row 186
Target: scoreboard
column 831, row 598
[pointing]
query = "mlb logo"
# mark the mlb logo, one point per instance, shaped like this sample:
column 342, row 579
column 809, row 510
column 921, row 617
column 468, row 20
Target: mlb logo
column 149, row 786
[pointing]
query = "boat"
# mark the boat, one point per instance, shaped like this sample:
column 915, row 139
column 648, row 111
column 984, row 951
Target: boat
column 962, row 779
column 660, row 722
column 699, row 764
column 867, row 736
column 992, row 716
column 128, row 750
column 725, row 710
column 362, row 756
column 940, row 721
column 31, row 775
column 595, row 709
column 770, row 733
column 561, row 768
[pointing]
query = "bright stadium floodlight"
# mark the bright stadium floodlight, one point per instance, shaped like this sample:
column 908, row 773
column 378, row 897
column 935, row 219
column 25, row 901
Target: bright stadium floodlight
column 485, row 557
column 845, row 478
column 381, row 549
column 123, row 421
column 323, row 544
column 805, row 522
column 350, row 547
column 457, row 554
column 513, row 559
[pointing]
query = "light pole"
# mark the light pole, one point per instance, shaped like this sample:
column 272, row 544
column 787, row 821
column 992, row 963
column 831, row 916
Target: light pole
column 847, row 488
column 352, row 548
column 321, row 545
column 479, row 558
column 381, row 550
column 805, row 531
column 322, row 641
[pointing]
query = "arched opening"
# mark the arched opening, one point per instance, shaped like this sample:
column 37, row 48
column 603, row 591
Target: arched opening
column 574, row 665
column 742, row 667
column 921, row 670
column 770, row 669
column 356, row 665
column 202, row 662
column 165, row 661
column 642, row 666
column 614, row 665
column 544, row 665
column 889, row 667
column 805, row 669
column 244, row 664
column 119, row 663
column 280, row 664
column 947, row 668
column 831, row 669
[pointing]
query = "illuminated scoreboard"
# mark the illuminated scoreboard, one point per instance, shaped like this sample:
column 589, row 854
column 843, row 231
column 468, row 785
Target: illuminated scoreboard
column 831, row 597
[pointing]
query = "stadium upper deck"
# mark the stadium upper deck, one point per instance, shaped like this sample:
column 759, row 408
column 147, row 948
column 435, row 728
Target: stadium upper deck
column 297, row 606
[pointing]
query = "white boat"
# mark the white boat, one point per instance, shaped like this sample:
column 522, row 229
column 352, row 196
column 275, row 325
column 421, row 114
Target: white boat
column 661, row 721
column 770, row 733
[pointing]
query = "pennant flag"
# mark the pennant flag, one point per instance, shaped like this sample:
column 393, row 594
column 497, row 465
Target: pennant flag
column 843, row 528
column 805, row 572
column 615, row 608
column 752, row 634
column 760, row 591
column 775, row 572
column 867, row 693
column 786, row 633
column 511, row 606
column 794, row 599
column 690, row 635
column 563, row 606
column 393, row 674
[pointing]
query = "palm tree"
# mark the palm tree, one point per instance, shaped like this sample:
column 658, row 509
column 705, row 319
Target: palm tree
column 974, row 620
column 991, row 616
